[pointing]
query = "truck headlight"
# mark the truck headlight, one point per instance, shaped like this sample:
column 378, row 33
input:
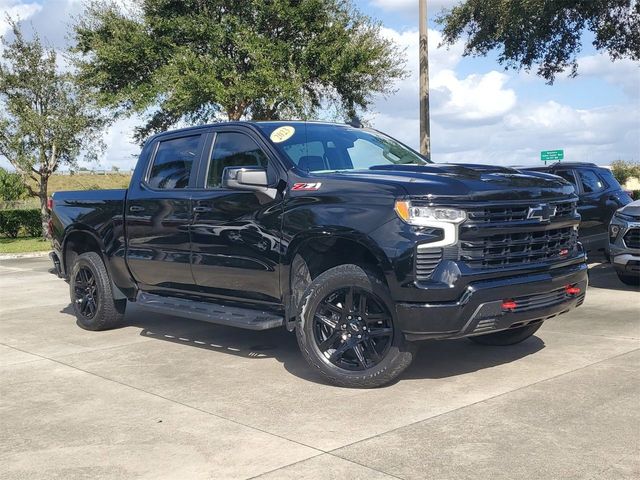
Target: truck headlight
column 446, row 219
column 427, row 216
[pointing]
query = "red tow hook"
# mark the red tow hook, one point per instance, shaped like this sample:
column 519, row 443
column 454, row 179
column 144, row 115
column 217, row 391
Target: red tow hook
column 509, row 305
column 572, row 290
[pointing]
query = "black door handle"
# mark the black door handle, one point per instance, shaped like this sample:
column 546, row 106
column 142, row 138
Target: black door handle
column 201, row 209
column 136, row 208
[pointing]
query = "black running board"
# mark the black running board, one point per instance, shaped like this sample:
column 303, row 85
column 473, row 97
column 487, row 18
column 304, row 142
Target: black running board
column 211, row 312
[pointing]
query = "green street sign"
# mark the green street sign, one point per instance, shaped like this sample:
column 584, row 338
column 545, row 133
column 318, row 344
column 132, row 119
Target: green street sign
column 552, row 155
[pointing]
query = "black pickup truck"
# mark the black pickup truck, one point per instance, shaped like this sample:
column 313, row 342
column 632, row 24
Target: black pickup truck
column 342, row 234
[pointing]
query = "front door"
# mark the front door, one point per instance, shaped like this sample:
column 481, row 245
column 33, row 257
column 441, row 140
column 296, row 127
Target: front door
column 235, row 235
column 158, row 215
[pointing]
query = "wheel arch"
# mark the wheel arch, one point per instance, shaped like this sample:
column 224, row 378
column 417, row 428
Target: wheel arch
column 317, row 251
column 78, row 240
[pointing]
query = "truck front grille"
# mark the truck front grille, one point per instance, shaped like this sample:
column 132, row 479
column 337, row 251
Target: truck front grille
column 508, row 249
column 632, row 238
column 517, row 213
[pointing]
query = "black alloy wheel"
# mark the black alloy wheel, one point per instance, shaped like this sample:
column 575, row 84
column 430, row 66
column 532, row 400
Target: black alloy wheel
column 353, row 329
column 347, row 331
column 86, row 292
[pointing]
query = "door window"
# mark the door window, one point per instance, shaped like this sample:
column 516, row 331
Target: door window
column 173, row 162
column 567, row 175
column 233, row 149
column 590, row 181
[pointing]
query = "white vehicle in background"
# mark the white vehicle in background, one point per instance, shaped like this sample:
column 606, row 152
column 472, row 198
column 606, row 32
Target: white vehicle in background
column 624, row 243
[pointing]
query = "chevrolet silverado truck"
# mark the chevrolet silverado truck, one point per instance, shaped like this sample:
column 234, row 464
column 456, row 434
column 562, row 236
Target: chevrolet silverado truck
column 343, row 234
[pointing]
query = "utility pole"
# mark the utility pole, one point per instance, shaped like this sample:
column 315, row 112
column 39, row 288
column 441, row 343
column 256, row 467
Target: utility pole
column 425, row 129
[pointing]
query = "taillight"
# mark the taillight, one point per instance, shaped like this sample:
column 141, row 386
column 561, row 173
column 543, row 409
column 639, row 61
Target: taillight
column 50, row 203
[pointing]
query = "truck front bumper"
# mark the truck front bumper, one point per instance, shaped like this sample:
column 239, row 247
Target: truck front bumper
column 488, row 306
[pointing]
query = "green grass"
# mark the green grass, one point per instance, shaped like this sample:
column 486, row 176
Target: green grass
column 88, row 182
column 23, row 245
column 59, row 182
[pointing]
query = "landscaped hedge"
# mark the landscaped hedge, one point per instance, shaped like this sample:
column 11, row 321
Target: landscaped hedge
column 13, row 221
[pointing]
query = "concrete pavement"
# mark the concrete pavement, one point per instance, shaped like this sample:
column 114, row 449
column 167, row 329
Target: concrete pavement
column 165, row 397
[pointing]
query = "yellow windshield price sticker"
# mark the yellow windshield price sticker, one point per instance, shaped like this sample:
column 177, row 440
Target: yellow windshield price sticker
column 282, row 134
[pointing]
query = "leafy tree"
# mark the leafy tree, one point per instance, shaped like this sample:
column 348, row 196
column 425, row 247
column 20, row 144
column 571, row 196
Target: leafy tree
column 11, row 186
column 544, row 33
column 624, row 170
column 205, row 60
column 46, row 120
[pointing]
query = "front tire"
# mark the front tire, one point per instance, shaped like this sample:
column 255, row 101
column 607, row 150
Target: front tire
column 507, row 337
column 92, row 296
column 346, row 329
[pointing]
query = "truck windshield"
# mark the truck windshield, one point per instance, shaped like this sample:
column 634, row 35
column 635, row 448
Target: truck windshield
column 318, row 147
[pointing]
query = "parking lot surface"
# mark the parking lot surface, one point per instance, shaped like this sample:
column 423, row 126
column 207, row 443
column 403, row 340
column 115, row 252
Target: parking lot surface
column 165, row 397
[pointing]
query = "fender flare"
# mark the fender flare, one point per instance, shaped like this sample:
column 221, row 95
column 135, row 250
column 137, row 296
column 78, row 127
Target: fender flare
column 84, row 230
column 333, row 233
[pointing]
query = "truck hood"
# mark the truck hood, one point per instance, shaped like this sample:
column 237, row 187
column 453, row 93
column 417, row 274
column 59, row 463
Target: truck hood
column 464, row 181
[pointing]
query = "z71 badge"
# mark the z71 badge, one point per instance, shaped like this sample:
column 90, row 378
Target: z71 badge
column 306, row 187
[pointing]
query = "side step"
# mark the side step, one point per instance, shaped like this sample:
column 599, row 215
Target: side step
column 211, row 312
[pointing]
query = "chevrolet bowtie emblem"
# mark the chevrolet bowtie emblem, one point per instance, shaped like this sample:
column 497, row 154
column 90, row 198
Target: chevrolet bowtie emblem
column 542, row 212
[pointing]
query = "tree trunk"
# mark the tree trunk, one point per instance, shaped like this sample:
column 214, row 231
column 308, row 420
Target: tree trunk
column 235, row 112
column 44, row 210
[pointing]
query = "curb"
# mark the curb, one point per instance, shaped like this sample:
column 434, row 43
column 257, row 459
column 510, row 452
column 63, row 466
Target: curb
column 12, row 256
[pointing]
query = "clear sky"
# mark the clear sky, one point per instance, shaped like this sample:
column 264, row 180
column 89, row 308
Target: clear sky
column 479, row 112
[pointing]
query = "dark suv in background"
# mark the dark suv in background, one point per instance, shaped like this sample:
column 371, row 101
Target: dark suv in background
column 600, row 195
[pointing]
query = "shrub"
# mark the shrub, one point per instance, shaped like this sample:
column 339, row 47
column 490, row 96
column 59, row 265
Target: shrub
column 32, row 222
column 623, row 170
column 13, row 221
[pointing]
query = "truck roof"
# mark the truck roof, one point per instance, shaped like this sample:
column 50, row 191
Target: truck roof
column 245, row 123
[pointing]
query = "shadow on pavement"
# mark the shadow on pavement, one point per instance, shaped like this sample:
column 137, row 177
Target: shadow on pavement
column 435, row 359
column 603, row 275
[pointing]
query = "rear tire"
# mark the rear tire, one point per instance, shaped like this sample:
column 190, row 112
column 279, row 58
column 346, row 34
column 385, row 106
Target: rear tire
column 92, row 296
column 345, row 328
column 507, row 337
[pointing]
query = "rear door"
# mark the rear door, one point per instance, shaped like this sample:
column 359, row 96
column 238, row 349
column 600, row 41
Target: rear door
column 158, row 215
column 235, row 235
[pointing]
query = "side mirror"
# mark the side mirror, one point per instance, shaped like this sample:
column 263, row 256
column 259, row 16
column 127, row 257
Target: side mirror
column 248, row 178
